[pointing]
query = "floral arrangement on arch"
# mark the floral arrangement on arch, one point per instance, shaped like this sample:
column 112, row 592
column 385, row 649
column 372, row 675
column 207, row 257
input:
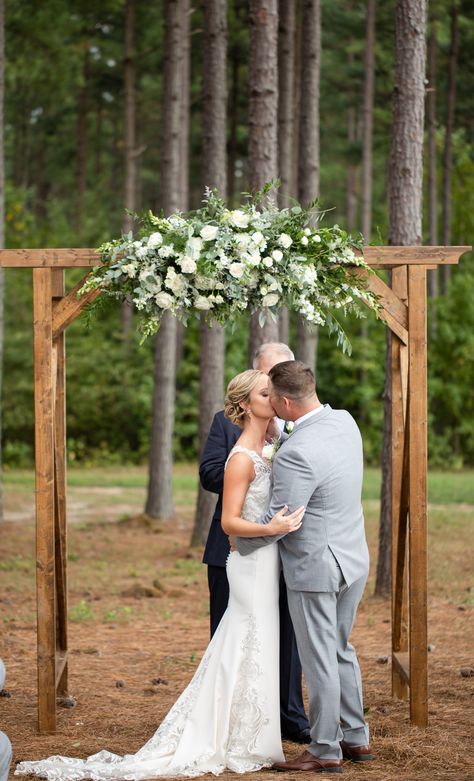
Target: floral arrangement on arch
column 223, row 262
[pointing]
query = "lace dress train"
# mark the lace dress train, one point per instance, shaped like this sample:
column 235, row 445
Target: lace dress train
column 228, row 717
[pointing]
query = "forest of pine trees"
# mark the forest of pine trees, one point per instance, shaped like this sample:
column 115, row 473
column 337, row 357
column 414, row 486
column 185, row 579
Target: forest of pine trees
column 118, row 106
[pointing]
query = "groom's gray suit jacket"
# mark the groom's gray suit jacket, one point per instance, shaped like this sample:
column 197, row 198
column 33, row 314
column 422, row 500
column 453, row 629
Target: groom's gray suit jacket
column 319, row 466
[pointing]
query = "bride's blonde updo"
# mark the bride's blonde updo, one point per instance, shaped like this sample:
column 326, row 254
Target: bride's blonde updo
column 238, row 392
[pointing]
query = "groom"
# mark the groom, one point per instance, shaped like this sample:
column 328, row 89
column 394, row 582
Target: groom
column 325, row 562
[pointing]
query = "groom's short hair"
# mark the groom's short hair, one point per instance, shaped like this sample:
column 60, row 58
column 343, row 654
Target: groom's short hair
column 292, row 379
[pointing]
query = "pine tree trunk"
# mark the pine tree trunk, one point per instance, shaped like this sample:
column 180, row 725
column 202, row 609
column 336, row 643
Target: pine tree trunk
column 405, row 210
column 2, row 221
column 448, row 141
column 308, row 159
column 234, row 122
column 368, row 121
column 81, row 154
column 351, row 177
column 286, row 83
column 286, row 100
column 186, row 79
column 130, row 144
column 159, row 503
column 99, row 117
column 263, row 122
column 406, row 157
column 432, row 179
column 384, row 555
column 184, row 154
column 211, row 356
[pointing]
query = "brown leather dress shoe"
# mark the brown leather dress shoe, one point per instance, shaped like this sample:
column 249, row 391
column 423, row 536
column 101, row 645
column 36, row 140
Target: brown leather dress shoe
column 308, row 761
column 356, row 753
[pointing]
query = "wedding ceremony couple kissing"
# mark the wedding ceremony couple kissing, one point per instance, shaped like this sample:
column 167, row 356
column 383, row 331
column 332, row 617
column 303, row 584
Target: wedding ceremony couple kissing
column 287, row 562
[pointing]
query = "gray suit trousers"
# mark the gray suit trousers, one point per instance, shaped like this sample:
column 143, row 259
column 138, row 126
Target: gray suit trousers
column 323, row 622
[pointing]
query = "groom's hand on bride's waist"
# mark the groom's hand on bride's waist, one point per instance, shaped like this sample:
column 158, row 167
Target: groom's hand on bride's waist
column 232, row 543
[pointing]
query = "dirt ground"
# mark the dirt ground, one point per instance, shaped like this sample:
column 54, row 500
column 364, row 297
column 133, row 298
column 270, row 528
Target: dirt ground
column 132, row 654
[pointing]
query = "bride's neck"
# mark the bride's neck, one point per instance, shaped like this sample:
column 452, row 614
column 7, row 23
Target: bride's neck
column 253, row 434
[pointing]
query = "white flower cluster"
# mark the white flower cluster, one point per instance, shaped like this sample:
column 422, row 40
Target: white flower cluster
column 224, row 262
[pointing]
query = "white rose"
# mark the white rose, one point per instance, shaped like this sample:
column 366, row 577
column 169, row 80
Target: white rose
column 129, row 269
column 155, row 240
column 317, row 238
column 307, row 232
column 218, row 299
column 141, row 252
column 209, row 232
column 267, row 451
column 268, row 262
column 270, row 299
column 252, row 258
column 238, row 218
column 202, row 303
column 304, row 240
column 277, row 255
column 164, row 300
column 243, row 240
column 166, row 251
column 188, row 265
column 285, row 240
column 310, row 275
column 174, row 281
column 258, row 238
column 236, row 269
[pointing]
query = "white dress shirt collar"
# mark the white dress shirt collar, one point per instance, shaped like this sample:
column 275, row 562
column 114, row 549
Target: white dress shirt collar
column 309, row 414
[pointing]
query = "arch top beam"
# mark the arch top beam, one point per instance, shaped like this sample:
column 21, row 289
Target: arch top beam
column 377, row 257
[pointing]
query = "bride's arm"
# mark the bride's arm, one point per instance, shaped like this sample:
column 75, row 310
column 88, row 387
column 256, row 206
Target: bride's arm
column 238, row 476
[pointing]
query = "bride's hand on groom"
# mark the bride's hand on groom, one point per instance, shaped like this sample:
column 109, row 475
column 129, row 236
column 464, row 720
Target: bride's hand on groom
column 284, row 522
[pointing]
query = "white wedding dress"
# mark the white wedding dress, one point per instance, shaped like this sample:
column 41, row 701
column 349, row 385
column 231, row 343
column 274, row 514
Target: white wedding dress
column 228, row 717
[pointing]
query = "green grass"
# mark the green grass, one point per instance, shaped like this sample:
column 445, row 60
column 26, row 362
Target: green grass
column 443, row 487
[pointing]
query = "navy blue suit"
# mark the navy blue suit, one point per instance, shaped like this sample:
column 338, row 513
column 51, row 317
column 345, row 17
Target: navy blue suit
column 222, row 438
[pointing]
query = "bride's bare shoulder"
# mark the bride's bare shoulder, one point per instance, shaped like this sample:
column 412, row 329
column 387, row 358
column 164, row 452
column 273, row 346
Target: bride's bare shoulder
column 240, row 466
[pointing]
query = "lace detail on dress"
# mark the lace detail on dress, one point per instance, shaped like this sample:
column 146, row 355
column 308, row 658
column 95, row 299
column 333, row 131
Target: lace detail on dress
column 247, row 715
column 261, row 466
column 258, row 494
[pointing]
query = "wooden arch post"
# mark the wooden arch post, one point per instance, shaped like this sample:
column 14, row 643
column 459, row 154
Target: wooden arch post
column 404, row 311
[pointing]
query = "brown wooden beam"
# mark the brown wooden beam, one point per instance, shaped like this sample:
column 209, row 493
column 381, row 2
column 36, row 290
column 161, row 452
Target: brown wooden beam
column 418, row 421
column 44, row 497
column 398, row 402
column 68, row 308
column 49, row 258
column 393, row 310
column 60, row 481
column 377, row 257
column 391, row 257
column 401, row 663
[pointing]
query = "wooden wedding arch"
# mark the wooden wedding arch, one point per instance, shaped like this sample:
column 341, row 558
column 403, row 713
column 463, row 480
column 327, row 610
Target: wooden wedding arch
column 403, row 309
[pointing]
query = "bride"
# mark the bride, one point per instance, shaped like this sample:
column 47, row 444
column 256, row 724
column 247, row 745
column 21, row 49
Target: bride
column 228, row 717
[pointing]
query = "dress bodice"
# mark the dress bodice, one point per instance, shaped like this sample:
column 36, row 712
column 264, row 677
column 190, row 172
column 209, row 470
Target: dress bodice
column 258, row 494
